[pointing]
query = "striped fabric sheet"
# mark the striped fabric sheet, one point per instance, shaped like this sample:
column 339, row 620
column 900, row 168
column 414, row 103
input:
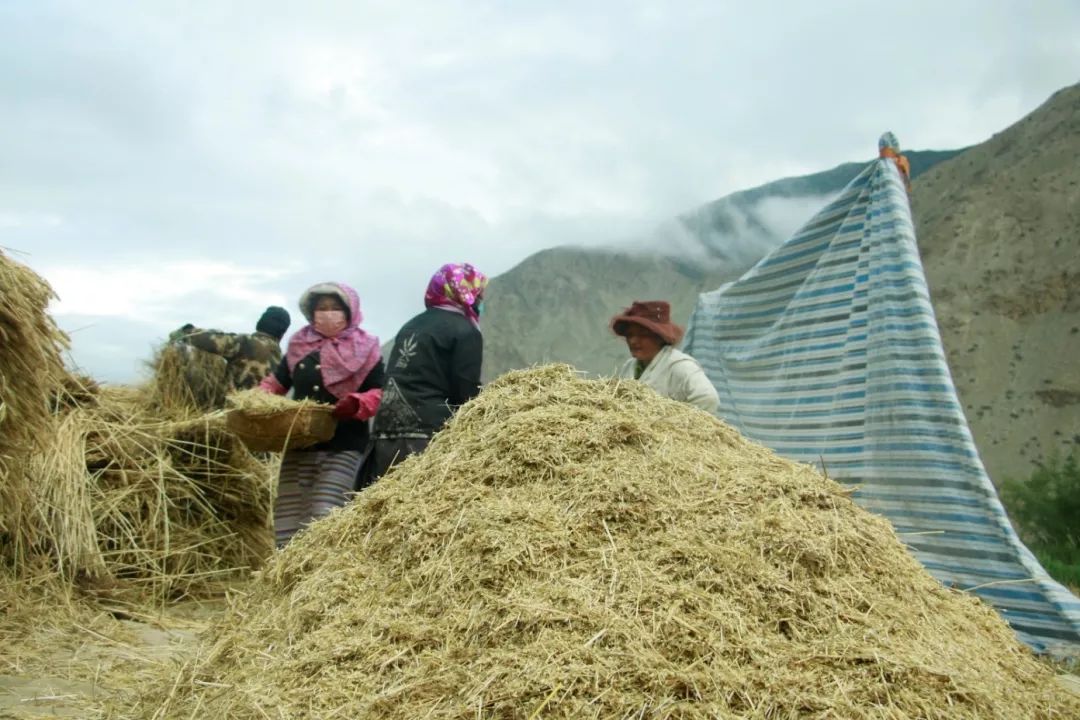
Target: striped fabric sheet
column 828, row 351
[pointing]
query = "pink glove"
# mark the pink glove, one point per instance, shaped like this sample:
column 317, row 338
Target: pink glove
column 347, row 407
column 271, row 385
column 358, row 406
column 369, row 404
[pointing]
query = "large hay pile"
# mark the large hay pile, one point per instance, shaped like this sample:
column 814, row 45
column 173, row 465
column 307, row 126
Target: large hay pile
column 581, row 549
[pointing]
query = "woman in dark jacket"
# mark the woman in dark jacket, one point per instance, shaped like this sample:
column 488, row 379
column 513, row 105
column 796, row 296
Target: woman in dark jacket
column 433, row 368
column 333, row 361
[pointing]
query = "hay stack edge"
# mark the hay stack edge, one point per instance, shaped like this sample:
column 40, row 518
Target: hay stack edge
column 587, row 549
column 31, row 369
column 137, row 491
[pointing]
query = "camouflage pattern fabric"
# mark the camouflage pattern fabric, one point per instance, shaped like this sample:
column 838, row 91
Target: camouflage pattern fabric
column 250, row 357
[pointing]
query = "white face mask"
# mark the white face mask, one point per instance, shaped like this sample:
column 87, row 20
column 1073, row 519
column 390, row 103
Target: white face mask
column 329, row 322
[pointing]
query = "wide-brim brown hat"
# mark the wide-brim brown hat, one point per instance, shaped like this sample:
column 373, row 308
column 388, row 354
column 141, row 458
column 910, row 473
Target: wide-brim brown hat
column 653, row 315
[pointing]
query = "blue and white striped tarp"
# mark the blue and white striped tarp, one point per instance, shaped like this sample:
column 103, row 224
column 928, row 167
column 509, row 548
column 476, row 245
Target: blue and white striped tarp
column 827, row 351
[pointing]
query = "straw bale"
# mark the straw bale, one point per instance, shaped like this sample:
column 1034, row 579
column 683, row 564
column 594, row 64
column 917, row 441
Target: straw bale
column 187, row 381
column 156, row 508
column 74, row 390
column 30, row 370
column 586, row 549
column 135, row 490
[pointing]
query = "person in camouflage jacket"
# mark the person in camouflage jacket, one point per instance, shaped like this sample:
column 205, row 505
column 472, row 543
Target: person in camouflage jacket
column 251, row 357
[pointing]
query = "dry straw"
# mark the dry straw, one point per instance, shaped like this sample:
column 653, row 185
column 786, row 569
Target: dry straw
column 587, row 549
column 61, row 656
column 150, row 507
column 127, row 495
column 266, row 422
column 133, row 491
column 187, row 380
column 256, row 401
column 31, row 372
column 30, row 366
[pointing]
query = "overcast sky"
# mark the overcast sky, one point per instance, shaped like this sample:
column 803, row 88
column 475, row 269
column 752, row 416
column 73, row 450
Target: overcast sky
column 171, row 162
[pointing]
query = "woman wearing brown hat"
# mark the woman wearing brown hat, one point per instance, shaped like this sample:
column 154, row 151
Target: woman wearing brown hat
column 651, row 337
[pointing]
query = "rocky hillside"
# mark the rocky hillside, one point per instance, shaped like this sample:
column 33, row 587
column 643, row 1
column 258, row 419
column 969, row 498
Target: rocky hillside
column 999, row 230
column 555, row 305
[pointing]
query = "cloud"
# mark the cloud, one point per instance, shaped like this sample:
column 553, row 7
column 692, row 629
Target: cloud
column 13, row 220
column 110, row 351
column 152, row 290
column 116, row 313
column 187, row 150
column 781, row 217
column 742, row 236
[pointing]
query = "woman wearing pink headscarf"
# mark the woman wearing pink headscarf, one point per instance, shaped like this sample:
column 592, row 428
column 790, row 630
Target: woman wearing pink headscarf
column 331, row 360
column 433, row 368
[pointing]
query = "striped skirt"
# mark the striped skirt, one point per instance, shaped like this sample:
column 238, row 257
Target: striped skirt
column 310, row 485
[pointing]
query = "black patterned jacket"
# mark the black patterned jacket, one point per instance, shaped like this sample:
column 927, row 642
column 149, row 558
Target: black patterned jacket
column 433, row 368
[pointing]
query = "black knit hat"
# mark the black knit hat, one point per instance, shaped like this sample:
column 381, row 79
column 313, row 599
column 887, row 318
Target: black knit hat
column 275, row 321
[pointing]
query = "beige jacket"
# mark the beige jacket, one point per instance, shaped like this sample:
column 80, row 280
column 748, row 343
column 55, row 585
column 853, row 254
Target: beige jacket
column 676, row 375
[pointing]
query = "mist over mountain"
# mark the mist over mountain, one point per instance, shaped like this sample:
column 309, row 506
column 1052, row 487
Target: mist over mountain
column 555, row 305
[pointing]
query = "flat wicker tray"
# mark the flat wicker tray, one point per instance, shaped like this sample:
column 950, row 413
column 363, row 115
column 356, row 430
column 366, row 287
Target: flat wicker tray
column 280, row 430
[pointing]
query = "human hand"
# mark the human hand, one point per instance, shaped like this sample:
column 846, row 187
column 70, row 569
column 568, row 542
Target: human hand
column 347, row 407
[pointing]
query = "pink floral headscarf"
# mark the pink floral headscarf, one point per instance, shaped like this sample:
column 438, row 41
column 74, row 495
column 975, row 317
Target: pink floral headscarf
column 346, row 358
column 457, row 286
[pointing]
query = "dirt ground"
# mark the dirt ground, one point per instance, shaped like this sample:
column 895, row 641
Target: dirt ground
column 74, row 664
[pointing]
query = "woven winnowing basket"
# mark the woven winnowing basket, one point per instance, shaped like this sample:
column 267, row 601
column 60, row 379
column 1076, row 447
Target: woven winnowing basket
column 282, row 430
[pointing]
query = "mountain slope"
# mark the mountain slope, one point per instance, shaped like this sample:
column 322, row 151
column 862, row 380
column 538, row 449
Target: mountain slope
column 999, row 231
column 555, row 305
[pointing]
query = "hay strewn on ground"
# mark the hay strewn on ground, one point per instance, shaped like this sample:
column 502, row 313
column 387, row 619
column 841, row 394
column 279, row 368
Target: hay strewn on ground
column 64, row 656
column 586, row 549
column 113, row 500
